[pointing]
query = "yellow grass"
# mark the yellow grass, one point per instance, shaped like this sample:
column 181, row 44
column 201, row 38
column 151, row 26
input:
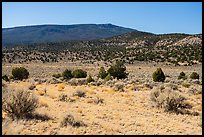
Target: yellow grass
column 38, row 86
column 125, row 95
column 4, row 114
column 144, row 88
column 189, row 102
column 61, row 87
column 121, row 113
column 130, row 88
column 111, row 91
column 24, row 83
column 53, row 94
column 198, row 96
column 43, row 102
column 93, row 87
column 75, row 97
column 79, row 110
column 198, row 107
column 41, row 92
column 91, row 92
column 143, row 98
column 90, row 100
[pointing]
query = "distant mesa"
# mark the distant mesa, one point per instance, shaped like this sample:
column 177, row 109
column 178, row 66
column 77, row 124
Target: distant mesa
column 58, row 33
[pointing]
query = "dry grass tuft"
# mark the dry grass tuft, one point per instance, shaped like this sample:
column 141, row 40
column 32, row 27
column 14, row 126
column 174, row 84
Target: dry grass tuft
column 70, row 120
column 43, row 103
column 41, row 92
column 186, row 85
column 79, row 92
column 91, row 92
column 96, row 100
column 61, row 87
column 111, row 91
column 18, row 104
column 63, row 97
column 169, row 99
column 32, row 86
column 119, row 86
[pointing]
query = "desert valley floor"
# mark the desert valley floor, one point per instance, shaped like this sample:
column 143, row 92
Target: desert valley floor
column 103, row 109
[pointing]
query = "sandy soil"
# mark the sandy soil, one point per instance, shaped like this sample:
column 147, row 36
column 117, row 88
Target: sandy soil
column 128, row 112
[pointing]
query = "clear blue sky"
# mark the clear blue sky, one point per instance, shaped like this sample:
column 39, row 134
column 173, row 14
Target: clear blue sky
column 155, row 17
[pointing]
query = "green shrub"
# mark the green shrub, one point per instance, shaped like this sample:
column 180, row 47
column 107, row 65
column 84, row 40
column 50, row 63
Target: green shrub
column 79, row 73
column 158, row 75
column 194, row 75
column 57, row 75
column 182, row 76
column 11, row 77
column 67, row 74
column 18, row 104
column 108, row 77
column 102, row 73
column 118, row 70
column 186, row 85
column 5, row 77
column 20, row 73
column 90, row 79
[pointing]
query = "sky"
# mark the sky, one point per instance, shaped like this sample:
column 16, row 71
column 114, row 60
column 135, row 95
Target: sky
column 154, row 17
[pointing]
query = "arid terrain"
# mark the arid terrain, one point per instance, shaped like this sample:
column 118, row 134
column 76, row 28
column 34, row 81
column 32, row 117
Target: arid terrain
column 105, row 107
column 102, row 68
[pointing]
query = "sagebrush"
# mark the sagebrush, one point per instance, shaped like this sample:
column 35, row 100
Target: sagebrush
column 18, row 104
column 79, row 93
column 168, row 99
column 70, row 120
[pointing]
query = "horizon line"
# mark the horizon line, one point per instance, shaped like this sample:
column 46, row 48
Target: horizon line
column 50, row 24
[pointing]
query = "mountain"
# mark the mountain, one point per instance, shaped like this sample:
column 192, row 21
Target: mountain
column 58, row 33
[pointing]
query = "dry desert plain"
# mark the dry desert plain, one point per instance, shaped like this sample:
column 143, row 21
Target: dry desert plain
column 103, row 109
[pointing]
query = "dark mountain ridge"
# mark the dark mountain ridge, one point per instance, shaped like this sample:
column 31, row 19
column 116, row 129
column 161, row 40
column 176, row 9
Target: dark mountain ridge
column 59, row 33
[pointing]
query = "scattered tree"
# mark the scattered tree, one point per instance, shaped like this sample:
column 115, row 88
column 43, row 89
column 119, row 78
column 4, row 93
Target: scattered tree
column 67, row 74
column 194, row 75
column 20, row 73
column 79, row 73
column 158, row 75
column 118, row 70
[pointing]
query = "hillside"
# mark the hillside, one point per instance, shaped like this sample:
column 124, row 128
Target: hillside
column 178, row 49
column 59, row 33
